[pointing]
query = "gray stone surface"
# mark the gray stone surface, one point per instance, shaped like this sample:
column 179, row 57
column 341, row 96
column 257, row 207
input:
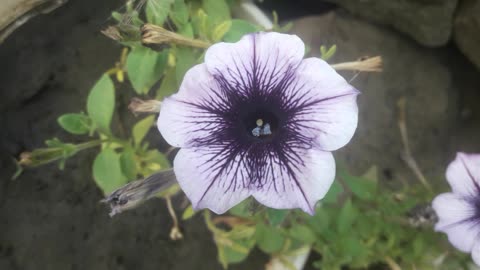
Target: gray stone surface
column 429, row 22
column 466, row 31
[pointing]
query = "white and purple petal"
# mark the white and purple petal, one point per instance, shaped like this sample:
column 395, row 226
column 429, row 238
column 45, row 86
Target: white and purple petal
column 463, row 174
column 258, row 61
column 298, row 184
column 207, row 183
column 325, row 104
column 183, row 116
column 457, row 218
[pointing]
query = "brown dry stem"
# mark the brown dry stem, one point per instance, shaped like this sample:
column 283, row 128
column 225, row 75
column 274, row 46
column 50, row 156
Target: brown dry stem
column 406, row 154
column 175, row 233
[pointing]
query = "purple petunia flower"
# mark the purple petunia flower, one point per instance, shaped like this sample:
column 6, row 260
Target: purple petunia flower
column 459, row 211
column 256, row 119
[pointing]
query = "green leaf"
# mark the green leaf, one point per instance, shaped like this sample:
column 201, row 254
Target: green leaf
column 179, row 14
column 346, row 217
column 107, row 171
column 186, row 30
column 269, row 239
column 185, row 60
column 302, row 233
column 360, row 187
column 352, row 247
column 101, row 103
column 335, row 190
column 168, row 85
column 238, row 251
column 200, row 23
column 141, row 129
column 128, row 164
column 188, row 213
column 145, row 67
column 217, row 10
column 220, row 30
column 276, row 216
column 238, row 29
column 75, row 123
column 320, row 221
column 242, row 209
column 157, row 11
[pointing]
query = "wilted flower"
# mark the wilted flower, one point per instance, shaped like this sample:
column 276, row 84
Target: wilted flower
column 257, row 120
column 459, row 210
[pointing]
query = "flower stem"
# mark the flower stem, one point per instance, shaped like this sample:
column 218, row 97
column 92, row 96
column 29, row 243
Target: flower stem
column 175, row 233
column 406, row 153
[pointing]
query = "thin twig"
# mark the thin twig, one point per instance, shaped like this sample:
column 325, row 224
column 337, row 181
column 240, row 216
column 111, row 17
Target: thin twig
column 175, row 233
column 406, row 154
column 392, row 264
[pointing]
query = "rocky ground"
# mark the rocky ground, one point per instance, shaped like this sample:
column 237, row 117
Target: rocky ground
column 51, row 219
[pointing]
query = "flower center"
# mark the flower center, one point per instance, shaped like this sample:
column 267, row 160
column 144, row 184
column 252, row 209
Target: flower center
column 261, row 124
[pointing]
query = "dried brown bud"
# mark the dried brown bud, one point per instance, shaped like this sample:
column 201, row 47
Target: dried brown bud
column 144, row 106
column 134, row 193
column 154, row 34
column 368, row 64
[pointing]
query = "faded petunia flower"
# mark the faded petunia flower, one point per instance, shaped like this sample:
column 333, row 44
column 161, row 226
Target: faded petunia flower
column 256, row 119
column 459, row 211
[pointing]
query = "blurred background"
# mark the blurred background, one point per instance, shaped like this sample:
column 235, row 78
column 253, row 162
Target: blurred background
column 52, row 219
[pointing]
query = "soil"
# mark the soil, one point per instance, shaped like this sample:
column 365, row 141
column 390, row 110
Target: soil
column 52, row 219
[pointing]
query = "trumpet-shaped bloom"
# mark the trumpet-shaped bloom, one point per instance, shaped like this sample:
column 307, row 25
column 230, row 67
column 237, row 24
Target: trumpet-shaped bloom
column 459, row 210
column 256, row 119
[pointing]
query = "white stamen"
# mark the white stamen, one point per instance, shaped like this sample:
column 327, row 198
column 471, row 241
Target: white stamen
column 266, row 130
column 256, row 131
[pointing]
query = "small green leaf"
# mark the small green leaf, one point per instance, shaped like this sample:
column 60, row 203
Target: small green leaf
column 242, row 209
column 276, row 216
column 128, row 164
column 141, row 129
column 238, row 29
column 188, row 213
column 302, row 233
column 217, row 10
column 117, row 16
column 362, row 188
column 346, row 217
column 200, row 23
column 335, row 190
column 145, row 67
column 107, row 171
column 327, row 54
column 320, row 221
column 168, row 85
column 238, row 251
column 74, row 123
column 185, row 60
column 269, row 239
column 186, row 30
column 352, row 247
column 179, row 13
column 157, row 11
column 220, row 30
column 101, row 103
